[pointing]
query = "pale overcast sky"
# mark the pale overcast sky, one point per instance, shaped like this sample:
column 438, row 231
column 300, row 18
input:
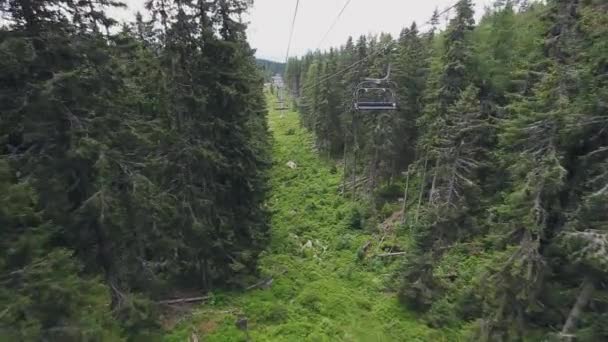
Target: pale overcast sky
column 270, row 21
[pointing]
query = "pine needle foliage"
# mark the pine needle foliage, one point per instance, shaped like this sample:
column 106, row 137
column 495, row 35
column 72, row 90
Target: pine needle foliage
column 501, row 128
column 134, row 157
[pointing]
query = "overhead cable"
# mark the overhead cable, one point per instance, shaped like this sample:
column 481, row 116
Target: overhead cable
column 293, row 24
column 334, row 23
column 378, row 50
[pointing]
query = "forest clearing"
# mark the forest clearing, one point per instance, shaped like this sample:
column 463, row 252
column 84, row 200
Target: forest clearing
column 321, row 290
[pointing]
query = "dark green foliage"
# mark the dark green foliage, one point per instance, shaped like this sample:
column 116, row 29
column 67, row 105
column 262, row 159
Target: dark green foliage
column 138, row 162
column 320, row 291
column 502, row 128
column 377, row 145
column 42, row 287
column 354, row 218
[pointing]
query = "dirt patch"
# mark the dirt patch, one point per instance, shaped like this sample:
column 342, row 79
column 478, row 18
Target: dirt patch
column 208, row 327
column 389, row 225
column 172, row 315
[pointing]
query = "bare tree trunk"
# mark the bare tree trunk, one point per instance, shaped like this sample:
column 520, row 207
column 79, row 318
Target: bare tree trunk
column 373, row 170
column 584, row 295
column 422, row 181
column 452, row 184
column 355, row 148
column 345, row 169
column 391, row 254
column 203, row 266
column 105, row 253
column 434, row 182
column 183, row 300
column 407, row 185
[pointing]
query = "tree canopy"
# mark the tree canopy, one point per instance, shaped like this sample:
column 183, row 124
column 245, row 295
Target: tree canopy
column 133, row 163
column 501, row 127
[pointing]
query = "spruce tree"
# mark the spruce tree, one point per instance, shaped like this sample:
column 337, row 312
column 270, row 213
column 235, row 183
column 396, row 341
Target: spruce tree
column 138, row 158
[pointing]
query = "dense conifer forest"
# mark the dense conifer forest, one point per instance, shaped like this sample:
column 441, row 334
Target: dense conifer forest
column 137, row 166
column 133, row 164
column 498, row 152
column 270, row 68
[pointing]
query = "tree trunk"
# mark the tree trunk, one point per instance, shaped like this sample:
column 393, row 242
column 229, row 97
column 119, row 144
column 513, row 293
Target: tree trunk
column 452, row 184
column 422, row 181
column 584, row 295
column 104, row 254
column 434, row 182
column 206, row 280
column 407, row 185
column 183, row 300
column 373, row 170
column 345, row 169
column 391, row 254
column 355, row 148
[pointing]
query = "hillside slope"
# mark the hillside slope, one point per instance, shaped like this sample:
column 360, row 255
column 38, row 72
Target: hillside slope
column 320, row 291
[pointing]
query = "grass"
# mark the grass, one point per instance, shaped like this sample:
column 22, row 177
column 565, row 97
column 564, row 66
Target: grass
column 321, row 290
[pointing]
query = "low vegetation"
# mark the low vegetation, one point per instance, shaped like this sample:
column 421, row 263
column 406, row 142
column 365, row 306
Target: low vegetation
column 324, row 287
column 501, row 133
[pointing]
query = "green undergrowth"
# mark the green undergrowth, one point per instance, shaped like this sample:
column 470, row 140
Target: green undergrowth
column 321, row 290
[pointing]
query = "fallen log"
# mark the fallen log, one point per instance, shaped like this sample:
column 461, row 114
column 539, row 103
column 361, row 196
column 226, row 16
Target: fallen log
column 265, row 283
column 183, row 300
column 391, row 254
column 359, row 182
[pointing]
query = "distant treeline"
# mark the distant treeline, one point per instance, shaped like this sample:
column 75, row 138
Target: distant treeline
column 270, row 68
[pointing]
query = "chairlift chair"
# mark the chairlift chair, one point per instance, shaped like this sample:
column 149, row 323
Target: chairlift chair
column 375, row 94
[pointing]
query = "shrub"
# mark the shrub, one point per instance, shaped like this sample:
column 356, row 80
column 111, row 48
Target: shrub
column 344, row 242
column 354, row 218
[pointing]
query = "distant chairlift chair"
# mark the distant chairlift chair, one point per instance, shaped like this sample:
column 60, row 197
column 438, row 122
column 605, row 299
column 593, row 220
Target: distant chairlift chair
column 375, row 94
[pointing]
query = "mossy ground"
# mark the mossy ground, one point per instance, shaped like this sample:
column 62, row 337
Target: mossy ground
column 321, row 290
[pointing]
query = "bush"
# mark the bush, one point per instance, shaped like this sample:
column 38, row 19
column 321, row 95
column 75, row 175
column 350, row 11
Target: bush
column 344, row 242
column 418, row 287
column 442, row 313
column 387, row 210
column 311, row 301
column 274, row 313
column 354, row 218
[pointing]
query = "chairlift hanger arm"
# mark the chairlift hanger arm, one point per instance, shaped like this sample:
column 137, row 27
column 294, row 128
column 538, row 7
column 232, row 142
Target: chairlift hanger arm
column 380, row 80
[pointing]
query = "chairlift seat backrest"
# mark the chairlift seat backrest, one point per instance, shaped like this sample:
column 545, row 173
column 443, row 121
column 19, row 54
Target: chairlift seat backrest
column 375, row 94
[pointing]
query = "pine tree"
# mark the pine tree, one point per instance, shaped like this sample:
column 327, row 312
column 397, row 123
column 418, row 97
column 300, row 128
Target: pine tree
column 543, row 132
column 139, row 160
column 328, row 126
column 457, row 61
column 457, row 134
column 311, row 95
column 502, row 128
column 411, row 72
